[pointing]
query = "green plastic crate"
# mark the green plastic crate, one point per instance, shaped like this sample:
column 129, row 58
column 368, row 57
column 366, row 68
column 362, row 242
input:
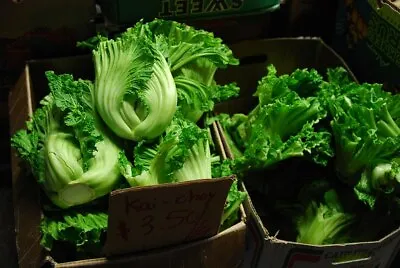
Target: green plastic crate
column 123, row 12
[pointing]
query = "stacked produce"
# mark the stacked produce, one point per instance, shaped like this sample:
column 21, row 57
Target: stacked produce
column 138, row 123
column 320, row 156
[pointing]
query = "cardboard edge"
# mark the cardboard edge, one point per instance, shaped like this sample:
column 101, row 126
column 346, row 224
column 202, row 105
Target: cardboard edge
column 22, row 86
column 14, row 98
column 220, row 143
column 367, row 243
column 391, row 5
column 14, row 159
column 252, row 220
column 248, row 204
column 334, row 53
column 239, row 227
column 393, row 257
column 226, row 154
column 168, row 185
column 245, row 43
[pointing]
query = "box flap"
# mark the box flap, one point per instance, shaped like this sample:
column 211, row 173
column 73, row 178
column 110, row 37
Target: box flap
column 366, row 254
column 248, row 204
column 287, row 54
column 144, row 218
column 25, row 189
column 221, row 249
column 395, row 3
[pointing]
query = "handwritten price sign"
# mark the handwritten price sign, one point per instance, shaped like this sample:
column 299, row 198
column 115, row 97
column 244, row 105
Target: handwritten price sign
column 144, row 218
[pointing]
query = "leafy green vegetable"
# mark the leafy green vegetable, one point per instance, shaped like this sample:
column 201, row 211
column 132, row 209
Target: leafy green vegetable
column 195, row 98
column 82, row 229
column 295, row 118
column 324, row 222
column 282, row 125
column 186, row 44
column 181, row 154
column 223, row 168
column 135, row 93
column 194, row 56
column 367, row 140
column 232, row 205
column 68, row 149
column 306, row 83
column 383, row 180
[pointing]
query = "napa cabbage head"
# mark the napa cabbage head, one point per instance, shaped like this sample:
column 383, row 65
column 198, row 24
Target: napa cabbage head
column 134, row 91
column 283, row 124
column 181, row 154
column 324, row 222
column 70, row 152
column 194, row 56
column 366, row 126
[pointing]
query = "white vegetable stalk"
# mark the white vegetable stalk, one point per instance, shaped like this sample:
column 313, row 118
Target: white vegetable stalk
column 135, row 93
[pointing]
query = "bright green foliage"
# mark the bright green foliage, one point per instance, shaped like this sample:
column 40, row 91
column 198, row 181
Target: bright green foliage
column 181, row 154
column 194, row 56
column 367, row 136
column 283, row 130
column 235, row 196
column 82, row 229
column 70, row 153
column 186, row 44
column 282, row 125
column 306, row 83
column 324, row 222
column 135, row 93
column 231, row 210
column 195, row 98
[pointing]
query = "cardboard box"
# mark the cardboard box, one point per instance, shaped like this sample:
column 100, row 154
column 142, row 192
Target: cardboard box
column 264, row 248
column 368, row 34
column 191, row 245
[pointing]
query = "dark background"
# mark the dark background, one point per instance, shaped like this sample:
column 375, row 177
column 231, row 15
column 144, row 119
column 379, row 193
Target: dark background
column 58, row 29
